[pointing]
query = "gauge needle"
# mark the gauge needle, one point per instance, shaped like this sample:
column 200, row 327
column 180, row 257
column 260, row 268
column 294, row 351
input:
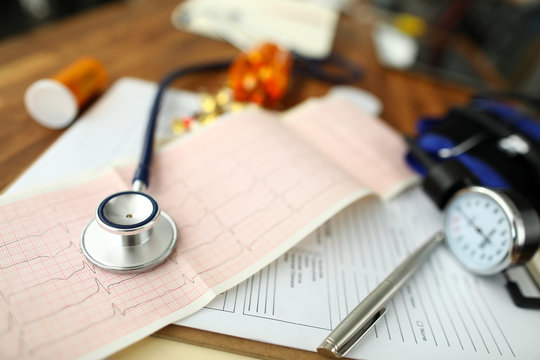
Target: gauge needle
column 487, row 239
column 474, row 226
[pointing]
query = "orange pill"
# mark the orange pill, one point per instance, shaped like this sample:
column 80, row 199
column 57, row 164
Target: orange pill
column 261, row 75
column 56, row 101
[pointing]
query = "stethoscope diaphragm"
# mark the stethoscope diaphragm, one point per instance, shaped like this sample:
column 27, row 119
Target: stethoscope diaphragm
column 129, row 233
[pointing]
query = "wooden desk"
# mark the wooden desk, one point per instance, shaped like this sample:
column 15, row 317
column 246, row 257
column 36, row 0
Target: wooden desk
column 136, row 38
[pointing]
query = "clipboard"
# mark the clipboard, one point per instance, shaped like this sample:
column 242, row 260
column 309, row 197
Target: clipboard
column 234, row 344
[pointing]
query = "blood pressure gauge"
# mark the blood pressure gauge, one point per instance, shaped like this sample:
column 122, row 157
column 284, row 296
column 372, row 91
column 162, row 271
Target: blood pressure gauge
column 489, row 230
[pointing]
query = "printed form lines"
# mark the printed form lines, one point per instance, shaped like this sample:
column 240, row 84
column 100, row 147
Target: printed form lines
column 490, row 311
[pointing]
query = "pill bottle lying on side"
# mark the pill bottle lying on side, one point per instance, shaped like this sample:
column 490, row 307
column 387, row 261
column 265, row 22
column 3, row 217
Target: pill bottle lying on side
column 55, row 102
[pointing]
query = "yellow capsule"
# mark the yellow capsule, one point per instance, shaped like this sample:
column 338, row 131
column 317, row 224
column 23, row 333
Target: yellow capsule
column 181, row 125
column 178, row 127
column 224, row 97
column 410, row 24
column 208, row 103
column 207, row 119
column 236, row 106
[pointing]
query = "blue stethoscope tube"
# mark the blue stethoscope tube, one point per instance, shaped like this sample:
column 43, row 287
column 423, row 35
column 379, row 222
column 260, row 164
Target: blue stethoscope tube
column 142, row 173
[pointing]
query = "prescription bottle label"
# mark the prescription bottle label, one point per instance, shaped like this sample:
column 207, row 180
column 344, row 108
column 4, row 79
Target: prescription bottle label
column 85, row 78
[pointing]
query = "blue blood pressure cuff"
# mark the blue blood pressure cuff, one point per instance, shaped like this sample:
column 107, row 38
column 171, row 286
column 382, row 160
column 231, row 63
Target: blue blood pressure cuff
column 497, row 140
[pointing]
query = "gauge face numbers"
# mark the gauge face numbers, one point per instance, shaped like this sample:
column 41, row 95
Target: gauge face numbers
column 479, row 231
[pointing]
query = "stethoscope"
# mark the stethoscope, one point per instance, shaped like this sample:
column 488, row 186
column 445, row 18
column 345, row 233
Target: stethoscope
column 130, row 232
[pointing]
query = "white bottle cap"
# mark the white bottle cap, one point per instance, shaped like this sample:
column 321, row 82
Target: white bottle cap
column 51, row 103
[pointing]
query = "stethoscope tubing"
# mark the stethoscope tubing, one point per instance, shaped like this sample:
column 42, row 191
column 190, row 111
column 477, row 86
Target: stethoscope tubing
column 142, row 173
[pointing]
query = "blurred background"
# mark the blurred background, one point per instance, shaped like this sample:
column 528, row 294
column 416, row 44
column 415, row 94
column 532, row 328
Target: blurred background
column 488, row 44
column 17, row 16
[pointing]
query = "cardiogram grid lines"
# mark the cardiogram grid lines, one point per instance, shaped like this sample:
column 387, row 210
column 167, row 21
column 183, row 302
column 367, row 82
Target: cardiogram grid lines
column 361, row 145
column 236, row 191
column 264, row 187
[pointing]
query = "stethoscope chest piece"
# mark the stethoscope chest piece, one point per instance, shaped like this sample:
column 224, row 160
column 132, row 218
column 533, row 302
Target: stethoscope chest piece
column 129, row 233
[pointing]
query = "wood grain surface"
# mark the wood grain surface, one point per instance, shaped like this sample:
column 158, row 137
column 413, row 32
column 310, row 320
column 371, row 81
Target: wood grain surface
column 136, row 38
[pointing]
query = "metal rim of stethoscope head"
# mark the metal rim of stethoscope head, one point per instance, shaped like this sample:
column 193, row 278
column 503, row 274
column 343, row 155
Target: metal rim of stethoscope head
column 127, row 212
column 129, row 233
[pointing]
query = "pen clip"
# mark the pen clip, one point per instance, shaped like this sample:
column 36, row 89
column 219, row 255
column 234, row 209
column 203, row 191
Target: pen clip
column 329, row 348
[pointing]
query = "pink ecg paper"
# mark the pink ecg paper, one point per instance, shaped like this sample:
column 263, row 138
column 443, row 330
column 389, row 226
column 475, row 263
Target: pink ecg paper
column 241, row 193
column 359, row 143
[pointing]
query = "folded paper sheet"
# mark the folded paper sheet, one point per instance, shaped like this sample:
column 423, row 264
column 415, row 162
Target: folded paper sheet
column 241, row 193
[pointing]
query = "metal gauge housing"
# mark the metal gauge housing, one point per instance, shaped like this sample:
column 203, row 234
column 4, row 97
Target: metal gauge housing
column 489, row 230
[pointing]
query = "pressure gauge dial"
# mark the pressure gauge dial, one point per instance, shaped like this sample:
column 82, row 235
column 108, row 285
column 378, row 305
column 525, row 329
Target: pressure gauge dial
column 490, row 230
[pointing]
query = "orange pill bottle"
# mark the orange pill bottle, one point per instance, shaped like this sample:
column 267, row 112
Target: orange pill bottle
column 56, row 101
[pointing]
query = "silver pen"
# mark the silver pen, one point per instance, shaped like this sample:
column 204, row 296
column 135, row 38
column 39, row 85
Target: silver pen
column 373, row 307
